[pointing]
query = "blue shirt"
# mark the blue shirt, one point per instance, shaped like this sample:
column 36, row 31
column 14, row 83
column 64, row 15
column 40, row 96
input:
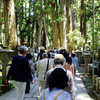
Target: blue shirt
column 74, row 61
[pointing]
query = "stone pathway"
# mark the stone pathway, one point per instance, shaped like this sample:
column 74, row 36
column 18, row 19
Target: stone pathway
column 80, row 91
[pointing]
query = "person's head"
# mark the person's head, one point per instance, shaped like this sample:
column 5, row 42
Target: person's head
column 23, row 50
column 44, row 55
column 73, row 55
column 59, row 59
column 49, row 56
column 28, row 56
column 42, row 51
column 69, row 60
column 58, row 79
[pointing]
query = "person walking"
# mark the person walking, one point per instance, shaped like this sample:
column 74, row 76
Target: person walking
column 20, row 72
column 59, row 60
column 42, row 67
column 69, row 66
column 39, row 56
column 31, row 65
column 56, row 86
column 74, row 61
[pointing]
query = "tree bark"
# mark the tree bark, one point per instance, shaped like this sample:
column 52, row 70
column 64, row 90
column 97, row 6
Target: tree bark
column 69, row 23
column 10, row 24
column 73, row 17
column 1, row 22
column 39, row 33
column 54, row 25
column 29, row 21
column 63, row 24
column 83, row 28
column 46, row 31
column 73, row 20
column 21, row 12
column 81, row 18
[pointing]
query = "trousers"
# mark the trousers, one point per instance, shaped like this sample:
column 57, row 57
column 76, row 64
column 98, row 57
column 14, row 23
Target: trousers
column 20, row 87
column 41, row 84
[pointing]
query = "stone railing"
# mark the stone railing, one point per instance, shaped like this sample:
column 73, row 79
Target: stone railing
column 94, row 81
column 87, row 57
column 96, row 84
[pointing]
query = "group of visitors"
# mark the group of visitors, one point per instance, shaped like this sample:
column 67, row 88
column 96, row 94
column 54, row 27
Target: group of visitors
column 55, row 70
column 51, row 85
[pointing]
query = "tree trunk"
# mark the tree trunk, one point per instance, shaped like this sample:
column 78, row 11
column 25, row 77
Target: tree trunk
column 54, row 25
column 1, row 22
column 39, row 27
column 46, row 31
column 39, row 33
column 22, row 39
column 81, row 18
column 18, row 16
column 43, row 41
column 84, row 25
column 73, row 20
column 29, row 21
column 83, row 28
column 63, row 24
column 10, row 24
column 69, row 23
column 73, row 17
column 32, row 42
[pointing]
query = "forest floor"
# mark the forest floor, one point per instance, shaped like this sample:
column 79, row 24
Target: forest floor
column 87, row 80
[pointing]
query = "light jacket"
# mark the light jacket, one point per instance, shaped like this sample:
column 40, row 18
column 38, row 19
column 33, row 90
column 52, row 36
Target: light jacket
column 41, row 68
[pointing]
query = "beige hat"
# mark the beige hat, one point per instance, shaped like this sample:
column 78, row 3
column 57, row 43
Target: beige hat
column 59, row 57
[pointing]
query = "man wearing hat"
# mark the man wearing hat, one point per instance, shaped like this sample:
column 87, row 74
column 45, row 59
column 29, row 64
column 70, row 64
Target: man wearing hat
column 20, row 72
column 59, row 61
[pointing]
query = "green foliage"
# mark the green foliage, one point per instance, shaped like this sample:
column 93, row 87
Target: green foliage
column 96, row 24
column 39, row 8
column 0, row 81
column 76, row 40
column 25, row 30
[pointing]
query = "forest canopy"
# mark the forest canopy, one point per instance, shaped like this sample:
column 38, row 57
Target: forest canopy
column 50, row 23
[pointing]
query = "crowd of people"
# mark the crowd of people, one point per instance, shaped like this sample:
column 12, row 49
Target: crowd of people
column 55, row 69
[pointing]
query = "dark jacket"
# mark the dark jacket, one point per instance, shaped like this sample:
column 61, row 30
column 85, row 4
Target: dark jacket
column 19, row 70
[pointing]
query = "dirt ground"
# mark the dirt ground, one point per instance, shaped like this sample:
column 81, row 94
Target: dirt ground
column 87, row 82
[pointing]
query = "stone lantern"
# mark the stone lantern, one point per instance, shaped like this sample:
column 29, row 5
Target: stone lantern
column 25, row 43
column 87, row 57
column 86, row 50
column 5, row 56
column 79, row 54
